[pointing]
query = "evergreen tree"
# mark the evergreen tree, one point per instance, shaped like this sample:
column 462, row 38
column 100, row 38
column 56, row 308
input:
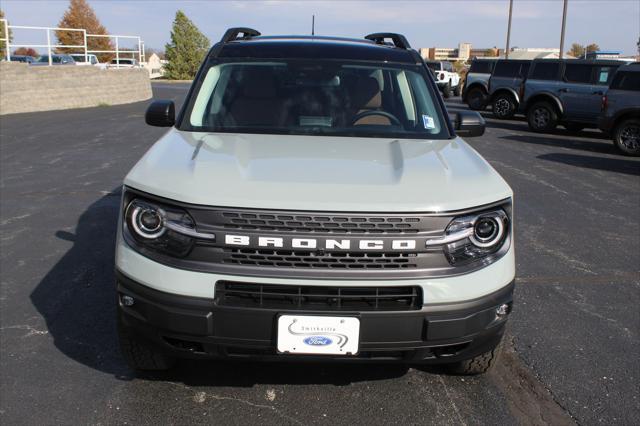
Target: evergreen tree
column 80, row 15
column 187, row 49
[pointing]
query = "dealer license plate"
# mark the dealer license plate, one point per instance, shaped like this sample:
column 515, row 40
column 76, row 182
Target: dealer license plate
column 301, row 334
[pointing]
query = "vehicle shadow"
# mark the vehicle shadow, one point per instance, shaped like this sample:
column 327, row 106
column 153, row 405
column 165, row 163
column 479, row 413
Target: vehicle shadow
column 77, row 300
column 629, row 167
column 603, row 147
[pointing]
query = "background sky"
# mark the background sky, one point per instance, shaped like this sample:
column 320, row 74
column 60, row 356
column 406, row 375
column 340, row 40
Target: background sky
column 613, row 24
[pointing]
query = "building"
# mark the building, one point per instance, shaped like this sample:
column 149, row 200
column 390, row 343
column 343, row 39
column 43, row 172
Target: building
column 535, row 53
column 461, row 53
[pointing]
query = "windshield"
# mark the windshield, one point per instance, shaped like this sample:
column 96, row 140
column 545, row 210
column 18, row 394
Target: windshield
column 317, row 98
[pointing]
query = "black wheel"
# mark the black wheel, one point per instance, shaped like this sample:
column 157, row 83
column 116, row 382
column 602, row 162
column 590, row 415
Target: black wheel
column 139, row 355
column 574, row 127
column 479, row 364
column 446, row 91
column 457, row 90
column 504, row 106
column 542, row 117
column 626, row 136
column 476, row 99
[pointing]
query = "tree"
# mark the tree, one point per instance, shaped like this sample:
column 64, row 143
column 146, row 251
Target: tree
column 579, row 51
column 3, row 52
column 26, row 51
column 576, row 50
column 80, row 15
column 491, row 52
column 187, row 49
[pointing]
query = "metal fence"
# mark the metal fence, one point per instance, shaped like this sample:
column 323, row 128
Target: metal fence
column 82, row 48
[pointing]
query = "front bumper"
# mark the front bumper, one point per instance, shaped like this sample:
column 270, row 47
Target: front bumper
column 193, row 327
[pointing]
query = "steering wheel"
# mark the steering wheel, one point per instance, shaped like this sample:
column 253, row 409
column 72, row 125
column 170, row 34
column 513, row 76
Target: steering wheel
column 394, row 120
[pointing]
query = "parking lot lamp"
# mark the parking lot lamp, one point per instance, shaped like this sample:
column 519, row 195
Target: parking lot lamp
column 506, row 51
column 564, row 23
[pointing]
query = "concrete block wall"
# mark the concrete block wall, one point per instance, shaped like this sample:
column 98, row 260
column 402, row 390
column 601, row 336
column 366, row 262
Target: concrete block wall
column 25, row 88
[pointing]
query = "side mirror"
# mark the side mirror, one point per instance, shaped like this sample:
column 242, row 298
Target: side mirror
column 469, row 124
column 161, row 113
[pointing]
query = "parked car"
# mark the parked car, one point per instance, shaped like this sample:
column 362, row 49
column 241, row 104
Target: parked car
column 506, row 86
column 476, row 86
column 56, row 59
column 23, row 58
column 621, row 109
column 446, row 78
column 566, row 92
column 123, row 63
column 318, row 205
column 89, row 60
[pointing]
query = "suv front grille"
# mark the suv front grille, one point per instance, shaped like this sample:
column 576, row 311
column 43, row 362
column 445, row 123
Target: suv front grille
column 273, row 296
column 310, row 259
column 327, row 224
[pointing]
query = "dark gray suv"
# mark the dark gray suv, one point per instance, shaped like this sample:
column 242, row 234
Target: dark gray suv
column 566, row 92
column 621, row 109
column 476, row 84
column 505, row 86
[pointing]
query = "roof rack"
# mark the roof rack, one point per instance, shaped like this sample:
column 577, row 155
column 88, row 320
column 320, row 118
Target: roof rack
column 232, row 34
column 398, row 39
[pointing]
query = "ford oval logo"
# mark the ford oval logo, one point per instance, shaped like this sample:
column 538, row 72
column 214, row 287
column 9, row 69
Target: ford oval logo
column 317, row 341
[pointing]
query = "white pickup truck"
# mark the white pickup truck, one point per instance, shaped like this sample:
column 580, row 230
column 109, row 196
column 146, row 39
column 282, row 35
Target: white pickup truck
column 446, row 77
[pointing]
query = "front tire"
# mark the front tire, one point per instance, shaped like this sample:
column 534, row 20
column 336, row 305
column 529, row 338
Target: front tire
column 626, row 137
column 504, row 106
column 476, row 99
column 446, row 91
column 140, row 355
column 479, row 364
column 542, row 117
column 457, row 90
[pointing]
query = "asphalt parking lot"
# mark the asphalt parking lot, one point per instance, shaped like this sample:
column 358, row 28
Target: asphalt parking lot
column 572, row 353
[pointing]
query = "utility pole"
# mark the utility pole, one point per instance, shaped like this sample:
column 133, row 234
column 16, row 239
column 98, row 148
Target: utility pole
column 313, row 25
column 564, row 23
column 506, row 51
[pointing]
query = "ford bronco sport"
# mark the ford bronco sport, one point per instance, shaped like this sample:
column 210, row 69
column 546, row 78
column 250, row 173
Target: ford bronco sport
column 567, row 92
column 506, row 86
column 476, row 85
column 313, row 200
column 621, row 109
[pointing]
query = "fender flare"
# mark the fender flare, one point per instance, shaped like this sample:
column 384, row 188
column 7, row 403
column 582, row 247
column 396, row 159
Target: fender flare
column 545, row 96
column 508, row 90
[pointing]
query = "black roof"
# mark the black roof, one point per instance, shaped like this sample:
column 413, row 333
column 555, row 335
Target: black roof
column 313, row 47
column 582, row 61
column 633, row 66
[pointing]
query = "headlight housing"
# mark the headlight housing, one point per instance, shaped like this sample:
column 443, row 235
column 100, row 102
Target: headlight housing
column 476, row 237
column 161, row 228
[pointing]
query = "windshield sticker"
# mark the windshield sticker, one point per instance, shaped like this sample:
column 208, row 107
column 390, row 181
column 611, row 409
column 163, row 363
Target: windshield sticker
column 427, row 121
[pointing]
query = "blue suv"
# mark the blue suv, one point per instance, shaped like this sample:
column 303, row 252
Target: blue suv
column 566, row 92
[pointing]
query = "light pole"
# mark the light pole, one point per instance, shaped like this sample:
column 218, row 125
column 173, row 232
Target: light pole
column 564, row 23
column 506, row 51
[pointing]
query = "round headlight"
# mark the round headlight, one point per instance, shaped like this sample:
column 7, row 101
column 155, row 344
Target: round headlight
column 147, row 221
column 487, row 231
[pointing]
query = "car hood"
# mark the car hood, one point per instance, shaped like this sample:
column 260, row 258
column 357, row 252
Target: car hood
column 292, row 172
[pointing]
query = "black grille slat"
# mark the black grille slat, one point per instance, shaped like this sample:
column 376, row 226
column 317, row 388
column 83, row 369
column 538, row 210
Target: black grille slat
column 273, row 296
column 350, row 260
column 321, row 224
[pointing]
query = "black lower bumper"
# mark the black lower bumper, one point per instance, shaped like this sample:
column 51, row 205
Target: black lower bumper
column 189, row 327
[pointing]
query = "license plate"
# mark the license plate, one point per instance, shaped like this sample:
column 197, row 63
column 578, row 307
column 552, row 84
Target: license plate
column 301, row 334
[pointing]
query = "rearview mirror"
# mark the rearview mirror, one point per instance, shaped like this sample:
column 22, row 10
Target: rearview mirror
column 161, row 113
column 469, row 124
